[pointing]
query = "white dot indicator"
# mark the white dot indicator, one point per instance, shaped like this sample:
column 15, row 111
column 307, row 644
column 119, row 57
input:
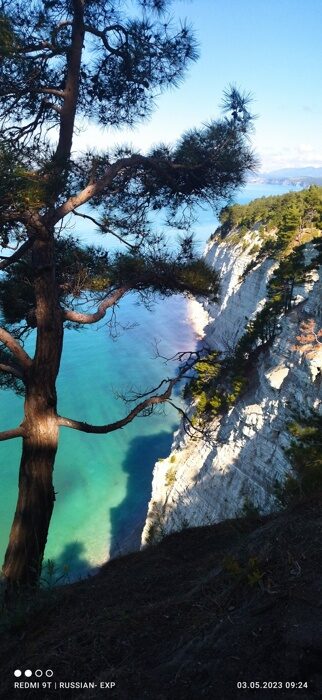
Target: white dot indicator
column 28, row 673
column 49, row 673
column 38, row 673
column 17, row 672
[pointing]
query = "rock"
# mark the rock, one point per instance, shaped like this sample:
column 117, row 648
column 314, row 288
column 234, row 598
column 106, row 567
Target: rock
column 277, row 375
column 245, row 453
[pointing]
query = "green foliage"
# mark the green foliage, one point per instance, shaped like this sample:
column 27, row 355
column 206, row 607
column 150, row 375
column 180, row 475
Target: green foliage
column 9, row 381
column 305, row 455
column 78, row 268
column 254, row 572
column 232, row 566
column 52, row 575
column 121, row 72
column 207, row 368
column 20, row 187
column 105, row 61
column 118, row 85
column 156, row 530
column 204, row 386
column 170, row 477
column 254, row 249
column 261, row 330
column 249, row 510
column 288, row 215
column 7, row 36
column 249, row 572
column 81, row 268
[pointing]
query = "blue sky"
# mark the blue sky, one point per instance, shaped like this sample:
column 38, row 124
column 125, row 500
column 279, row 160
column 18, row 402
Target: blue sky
column 271, row 48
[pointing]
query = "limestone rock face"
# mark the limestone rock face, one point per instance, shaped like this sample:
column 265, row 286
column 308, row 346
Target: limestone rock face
column 206, row 480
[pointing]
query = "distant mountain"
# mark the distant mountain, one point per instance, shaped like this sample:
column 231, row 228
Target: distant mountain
column 300, row 176
column 295, row 172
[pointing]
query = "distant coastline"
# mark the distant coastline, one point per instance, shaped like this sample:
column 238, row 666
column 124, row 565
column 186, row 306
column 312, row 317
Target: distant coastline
column 301, row 177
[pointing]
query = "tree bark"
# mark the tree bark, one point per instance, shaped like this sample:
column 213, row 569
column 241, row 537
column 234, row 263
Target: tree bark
column 36, row 497
column 35, row 502
column 68, row 109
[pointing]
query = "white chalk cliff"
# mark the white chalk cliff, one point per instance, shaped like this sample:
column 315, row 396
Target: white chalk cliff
column 205, row 480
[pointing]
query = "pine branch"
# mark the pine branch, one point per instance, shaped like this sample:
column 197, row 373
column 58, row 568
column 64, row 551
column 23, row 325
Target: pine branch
column 127, row 163
column 17, row 255
column 103, row 36
column 94, row 188
column 104, row 229
column 80, row 317
column 51, row 105
column 144, row 406
column 52, row 91
column 194, row 429
column 10, row 434
column 15, row 348
column 10, row 369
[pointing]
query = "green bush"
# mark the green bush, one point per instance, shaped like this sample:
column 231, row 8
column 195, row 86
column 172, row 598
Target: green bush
column 170, row 477
column 255, row 249
column 249, row 510
column 305, row 455
column 287, row 213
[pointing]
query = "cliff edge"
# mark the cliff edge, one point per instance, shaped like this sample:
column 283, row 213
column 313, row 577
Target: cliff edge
column 242, row 460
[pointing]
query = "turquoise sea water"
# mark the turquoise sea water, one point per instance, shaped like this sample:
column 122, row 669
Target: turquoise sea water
column 103, row 482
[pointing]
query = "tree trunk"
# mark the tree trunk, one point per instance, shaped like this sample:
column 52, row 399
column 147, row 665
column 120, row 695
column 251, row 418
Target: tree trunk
column 35, row 500
column 36, row 492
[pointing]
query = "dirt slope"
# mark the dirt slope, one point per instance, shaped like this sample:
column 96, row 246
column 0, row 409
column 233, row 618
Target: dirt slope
column 186, row 619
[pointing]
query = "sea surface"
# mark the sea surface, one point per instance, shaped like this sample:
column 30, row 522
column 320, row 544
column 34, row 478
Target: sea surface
column 103, row 482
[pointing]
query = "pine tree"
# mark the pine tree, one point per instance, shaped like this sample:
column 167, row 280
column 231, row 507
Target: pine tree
column 61, row 61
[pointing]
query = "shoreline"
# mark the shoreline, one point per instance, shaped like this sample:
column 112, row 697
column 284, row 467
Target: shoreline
column 198, row 317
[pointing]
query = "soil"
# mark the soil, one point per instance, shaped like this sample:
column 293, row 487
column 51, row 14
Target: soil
column 189, row 618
